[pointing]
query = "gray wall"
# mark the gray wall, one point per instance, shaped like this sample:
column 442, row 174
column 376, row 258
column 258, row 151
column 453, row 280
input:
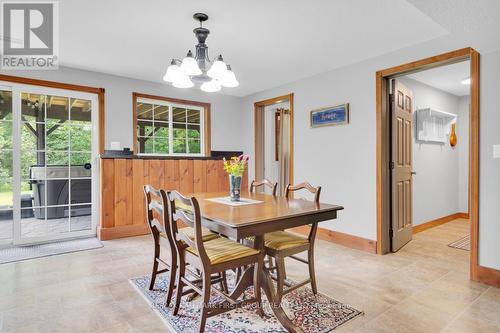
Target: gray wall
column 489, row 168
column 437, row 184
column 342, row 158
column 225, row 110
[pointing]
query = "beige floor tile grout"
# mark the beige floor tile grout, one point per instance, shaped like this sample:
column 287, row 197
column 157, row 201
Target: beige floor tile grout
column 465, row 309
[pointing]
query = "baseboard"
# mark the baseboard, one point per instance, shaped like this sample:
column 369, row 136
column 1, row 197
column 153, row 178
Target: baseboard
column 123, row 231
column 439, row 221
column 488, row 276
column 347, row 240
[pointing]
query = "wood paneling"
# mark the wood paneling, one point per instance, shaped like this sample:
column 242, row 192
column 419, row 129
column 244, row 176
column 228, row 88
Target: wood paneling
column 186, row 176
column 212, row 176
column 107, row 194
column 223, row 178
column 199, row 176
column 140, row 177
column 122, row 198
column 156, row 173
column 347, row 240
column 123, row 192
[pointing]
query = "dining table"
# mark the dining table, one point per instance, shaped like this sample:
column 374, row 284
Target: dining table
column 254, row 216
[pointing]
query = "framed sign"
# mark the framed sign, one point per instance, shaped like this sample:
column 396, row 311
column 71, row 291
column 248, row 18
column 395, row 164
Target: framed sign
column 333, row 115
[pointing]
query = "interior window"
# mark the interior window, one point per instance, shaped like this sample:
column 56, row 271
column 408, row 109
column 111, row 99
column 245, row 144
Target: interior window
column 167, row 128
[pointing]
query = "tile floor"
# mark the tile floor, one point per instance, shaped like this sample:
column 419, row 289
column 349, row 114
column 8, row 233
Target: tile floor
column 422, row 288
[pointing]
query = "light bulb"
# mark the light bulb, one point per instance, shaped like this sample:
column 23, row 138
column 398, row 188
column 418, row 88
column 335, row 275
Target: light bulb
column 190, row 66
column 211, row 86
column 465, row 81
column 174, row 73
column 218, row 69
column 183, row 82
column 229, row 79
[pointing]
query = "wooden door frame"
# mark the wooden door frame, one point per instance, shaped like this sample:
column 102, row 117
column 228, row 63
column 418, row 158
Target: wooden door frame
column 258, row 106
column 383, row 145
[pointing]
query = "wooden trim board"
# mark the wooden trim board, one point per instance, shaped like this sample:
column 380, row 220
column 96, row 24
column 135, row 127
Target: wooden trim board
column 382, row 139
column 439, row 221
column 122, row 231
column 488, row 276
column 340, row 238
column 206, row 107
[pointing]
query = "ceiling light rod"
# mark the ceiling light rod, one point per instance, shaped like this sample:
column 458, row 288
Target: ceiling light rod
column 199, row 68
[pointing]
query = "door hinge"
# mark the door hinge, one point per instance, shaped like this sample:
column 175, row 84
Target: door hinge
column 391, row 165
column 391, row 233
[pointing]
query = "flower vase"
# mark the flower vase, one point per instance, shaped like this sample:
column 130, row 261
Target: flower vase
column 453, row 136
column 235, row 187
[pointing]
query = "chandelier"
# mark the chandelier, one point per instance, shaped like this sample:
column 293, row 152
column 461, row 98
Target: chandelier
column 211, row 75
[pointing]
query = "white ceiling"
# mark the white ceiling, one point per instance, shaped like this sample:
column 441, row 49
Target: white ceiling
column 446, row 78
column 267, row 43
column 475, row 22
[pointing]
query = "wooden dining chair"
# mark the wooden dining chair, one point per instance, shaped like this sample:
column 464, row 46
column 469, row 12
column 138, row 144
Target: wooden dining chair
column 157, row 217
column 282, row 244
column 265, row 182
column 213, row 256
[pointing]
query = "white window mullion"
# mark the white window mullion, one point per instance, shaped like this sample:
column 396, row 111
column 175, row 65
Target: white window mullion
column 170, row 130
column 16, row 164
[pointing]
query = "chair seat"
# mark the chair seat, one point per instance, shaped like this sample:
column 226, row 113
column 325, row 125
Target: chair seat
column 189, row 232
column 282, row 240
column 220, row 250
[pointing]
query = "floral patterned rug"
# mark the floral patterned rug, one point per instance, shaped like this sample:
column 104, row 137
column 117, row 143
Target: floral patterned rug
column 311, row 313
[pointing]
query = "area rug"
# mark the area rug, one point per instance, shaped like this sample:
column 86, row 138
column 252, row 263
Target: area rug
column 312, row 313
column 462, row 243
column 19, row 253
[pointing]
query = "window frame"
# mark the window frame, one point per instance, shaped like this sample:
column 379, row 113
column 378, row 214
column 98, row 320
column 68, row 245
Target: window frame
column 205, row 135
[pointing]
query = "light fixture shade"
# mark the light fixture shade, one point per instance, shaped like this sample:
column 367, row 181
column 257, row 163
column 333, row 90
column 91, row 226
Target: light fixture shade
column 173, row 73
column 210, row 86
column 190, row 66
column 218, row 69
column 229, row 79
column 183, row 82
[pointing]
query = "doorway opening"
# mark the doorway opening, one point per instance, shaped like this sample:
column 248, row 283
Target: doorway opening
column 273, row 125
column 427, row 150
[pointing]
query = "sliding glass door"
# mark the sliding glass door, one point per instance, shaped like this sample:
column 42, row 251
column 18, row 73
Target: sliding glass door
column 6, row 167
column 49, row 154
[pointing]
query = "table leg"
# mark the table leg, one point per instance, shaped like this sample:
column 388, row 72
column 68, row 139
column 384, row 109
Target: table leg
column 268, row 287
